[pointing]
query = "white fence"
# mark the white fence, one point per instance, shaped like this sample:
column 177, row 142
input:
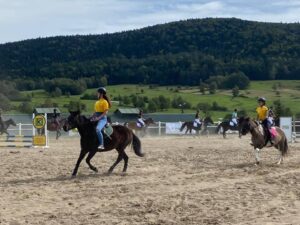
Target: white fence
column 21, row 129
column 296, row 129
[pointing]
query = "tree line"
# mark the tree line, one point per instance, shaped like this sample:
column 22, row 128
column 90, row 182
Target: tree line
column 182, row 53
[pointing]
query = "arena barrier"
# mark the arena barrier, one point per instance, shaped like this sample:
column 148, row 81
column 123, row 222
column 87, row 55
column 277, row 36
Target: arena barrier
column 16, row 141
column 296, row 129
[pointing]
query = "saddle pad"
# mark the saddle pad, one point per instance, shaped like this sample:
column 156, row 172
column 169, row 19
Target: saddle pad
column 273, row 132
column 108, row 130
column 231, row 123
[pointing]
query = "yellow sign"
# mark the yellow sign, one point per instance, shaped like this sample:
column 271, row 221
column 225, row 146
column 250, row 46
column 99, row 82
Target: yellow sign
column 39, row 121
column 39, row 140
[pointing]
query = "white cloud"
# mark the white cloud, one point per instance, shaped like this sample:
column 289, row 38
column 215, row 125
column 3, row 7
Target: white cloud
column 33, row 18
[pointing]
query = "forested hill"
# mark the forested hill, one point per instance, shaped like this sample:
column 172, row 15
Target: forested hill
column 175, row 53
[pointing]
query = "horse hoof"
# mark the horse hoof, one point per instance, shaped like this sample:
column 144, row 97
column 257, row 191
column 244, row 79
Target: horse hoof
column 73, row 176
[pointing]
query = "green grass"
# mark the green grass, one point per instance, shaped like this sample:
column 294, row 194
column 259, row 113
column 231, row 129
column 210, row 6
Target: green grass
column 289, row 95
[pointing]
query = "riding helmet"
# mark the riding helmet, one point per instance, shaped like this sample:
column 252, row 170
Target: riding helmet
column 261, row 99
column 101, row 90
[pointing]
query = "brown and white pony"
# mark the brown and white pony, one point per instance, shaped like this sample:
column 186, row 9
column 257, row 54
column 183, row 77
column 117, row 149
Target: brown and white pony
column 258, row 138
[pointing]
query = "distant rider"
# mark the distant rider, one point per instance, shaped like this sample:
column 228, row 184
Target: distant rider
column 271, row 116
column 197, row 120
column 56, row 117
column 140, row 121
column 234, row 118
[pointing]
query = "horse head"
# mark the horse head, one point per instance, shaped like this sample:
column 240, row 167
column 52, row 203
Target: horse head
column 208, row 120
column 149, row 121
column 245, row 124
column 11, row 122
column 72, row 121
column 182, row 126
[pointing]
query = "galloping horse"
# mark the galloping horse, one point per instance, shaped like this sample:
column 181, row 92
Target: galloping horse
column 135, row 127
column 190, row 126
column 226, row 126
column 119, row 140
column 6, row 124
column 259, row 138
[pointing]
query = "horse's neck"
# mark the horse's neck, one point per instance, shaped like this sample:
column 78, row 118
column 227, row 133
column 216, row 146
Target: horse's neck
column 257, row 131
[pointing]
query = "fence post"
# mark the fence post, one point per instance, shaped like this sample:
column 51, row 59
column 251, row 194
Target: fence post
column 20, row 129
column 33, row 129
column 159, row 128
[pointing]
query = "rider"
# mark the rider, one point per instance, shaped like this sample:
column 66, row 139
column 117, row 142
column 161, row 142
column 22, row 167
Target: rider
column 55, row 116
column 262, row 116
column 197, row 120
column 101, row 109
column 234, row 118
column 140, row 121
column 271, row 116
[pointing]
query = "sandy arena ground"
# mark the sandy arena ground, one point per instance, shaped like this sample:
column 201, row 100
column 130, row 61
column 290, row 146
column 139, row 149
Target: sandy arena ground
column 181, row 180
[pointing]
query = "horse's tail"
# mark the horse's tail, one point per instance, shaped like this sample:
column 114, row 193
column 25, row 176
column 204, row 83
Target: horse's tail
column 137, row 146
column 285, row 147
column 218, row 128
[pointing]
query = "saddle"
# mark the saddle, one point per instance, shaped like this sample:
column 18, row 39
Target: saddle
column 107, row 130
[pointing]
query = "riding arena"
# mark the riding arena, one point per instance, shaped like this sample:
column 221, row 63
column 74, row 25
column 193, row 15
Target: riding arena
column 181, row 179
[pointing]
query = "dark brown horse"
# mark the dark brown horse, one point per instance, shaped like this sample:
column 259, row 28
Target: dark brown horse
column 136, row 128
column 258, row 138
column 225, row 125
column 6, row 125
column 119, row 140
column 190, row 126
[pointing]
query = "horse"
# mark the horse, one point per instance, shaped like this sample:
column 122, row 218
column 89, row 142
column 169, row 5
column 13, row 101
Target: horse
column 54, row 126
column 190, row 126
column 259, row 138
column 225, row 125
column 135, row 127
column 119, row 140
column 6, row 125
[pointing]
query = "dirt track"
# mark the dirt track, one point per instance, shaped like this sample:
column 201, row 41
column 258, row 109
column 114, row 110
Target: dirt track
column 181, row 180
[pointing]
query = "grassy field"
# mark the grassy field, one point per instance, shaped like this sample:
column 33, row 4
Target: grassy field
column 287, row 91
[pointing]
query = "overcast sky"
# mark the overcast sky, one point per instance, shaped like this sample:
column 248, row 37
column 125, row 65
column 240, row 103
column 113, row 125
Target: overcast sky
column 24, row 19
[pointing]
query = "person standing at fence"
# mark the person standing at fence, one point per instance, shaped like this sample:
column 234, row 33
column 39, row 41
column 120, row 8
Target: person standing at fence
column 101, row 109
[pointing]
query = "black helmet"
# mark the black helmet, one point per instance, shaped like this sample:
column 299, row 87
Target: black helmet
column 101, row 90
column 261, row 99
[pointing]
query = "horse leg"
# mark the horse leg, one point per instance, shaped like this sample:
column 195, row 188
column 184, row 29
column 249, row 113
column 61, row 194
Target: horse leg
column 224, row 133
column 81, row 156
column 257, row 156
column 88, row 161
column 280, row 148
column 120, row 157
column 125, row 157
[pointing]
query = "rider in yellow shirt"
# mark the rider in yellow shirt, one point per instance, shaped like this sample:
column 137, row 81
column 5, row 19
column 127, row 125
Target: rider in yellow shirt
column 262, row 116
column 101, row 109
